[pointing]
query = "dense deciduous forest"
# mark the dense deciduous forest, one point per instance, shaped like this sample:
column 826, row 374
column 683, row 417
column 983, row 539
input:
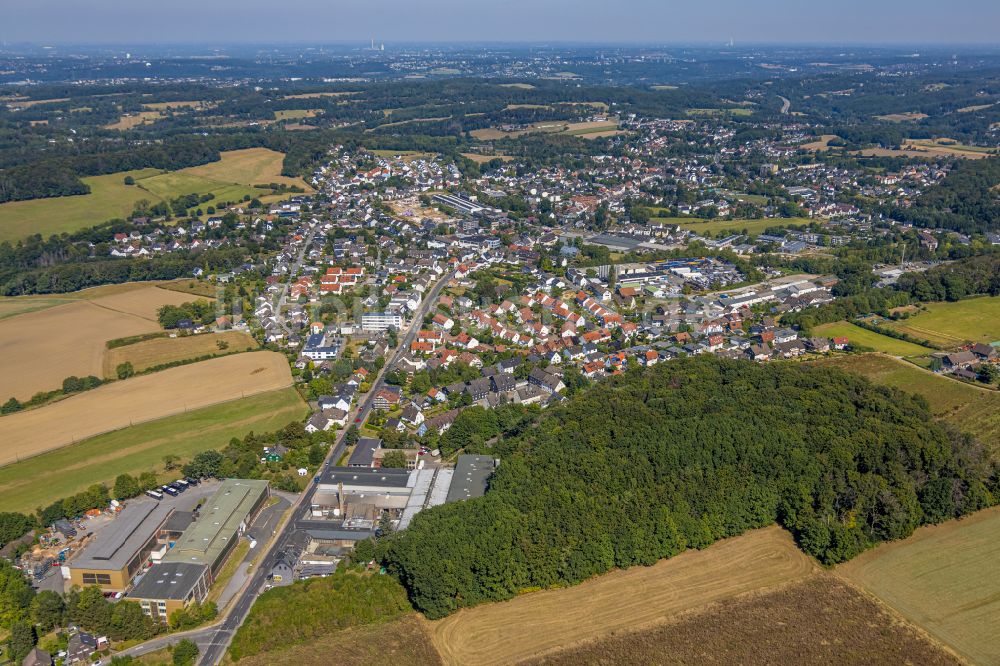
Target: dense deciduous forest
column 649, row 463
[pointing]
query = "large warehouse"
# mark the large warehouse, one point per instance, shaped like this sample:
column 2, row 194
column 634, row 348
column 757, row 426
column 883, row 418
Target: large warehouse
column 223, row 518
column 121, row 550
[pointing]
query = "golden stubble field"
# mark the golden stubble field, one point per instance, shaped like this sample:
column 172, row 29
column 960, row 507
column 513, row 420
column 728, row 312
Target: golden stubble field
column 140, row 399
column 548, row 621
column 158, row 351
column 945, row 579
column 38, row 350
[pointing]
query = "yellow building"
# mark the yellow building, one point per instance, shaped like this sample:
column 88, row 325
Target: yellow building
column 122, row 549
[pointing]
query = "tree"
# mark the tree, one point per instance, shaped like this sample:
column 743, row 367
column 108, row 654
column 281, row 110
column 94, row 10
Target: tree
column 13, row 526
column 11, row 406
column 148, row 481
column 394, row 459
column 170, row 462
column 205, row 464
column 126, row 486
column 185, row 652
column 48, row 610
column 22, row 640
column 124, row 370
column 129, row 180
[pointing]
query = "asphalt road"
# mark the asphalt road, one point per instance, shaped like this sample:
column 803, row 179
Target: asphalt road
column 213, row 642
column 786, row 104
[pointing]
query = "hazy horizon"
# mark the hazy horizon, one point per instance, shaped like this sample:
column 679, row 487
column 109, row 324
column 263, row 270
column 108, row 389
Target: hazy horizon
column 640, row 22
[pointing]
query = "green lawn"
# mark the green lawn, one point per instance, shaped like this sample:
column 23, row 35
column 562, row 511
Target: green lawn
column 753, row 227
column 109, row 198
column 972, row 410
column 952, row 324
column 861, row 336
column 38, row 481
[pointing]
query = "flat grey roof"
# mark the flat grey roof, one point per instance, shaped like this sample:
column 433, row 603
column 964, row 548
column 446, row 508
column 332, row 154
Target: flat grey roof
column 364, row 452
column 168, row 580
column 119, row 542
column 472, row 475
column 387, row 478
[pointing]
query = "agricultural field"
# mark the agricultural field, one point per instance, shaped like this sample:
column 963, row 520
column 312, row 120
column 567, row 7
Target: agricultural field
column 821, row 144
column 229, row 179
column 76, row 327
column 718, row 112
column 862, row 336
column 143, row 301
column 753, row 227
column 134, row 120
column 28, row 484
column 969, row 408
column 585, row 129
column 954, row 324
column 533, row 624
column 109, row 198
column 931, row 148
column 296, row 114
column 902, row 117
column 40, row 349
column 138, row 400
column 821, row 620
column 483, row 159
column 158, row 351
column 163, row 106
column 252, row 166
column 943, row 579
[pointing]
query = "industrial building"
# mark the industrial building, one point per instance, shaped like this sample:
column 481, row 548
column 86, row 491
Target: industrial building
column 170, row 586
column 117, row 554
column 223, row 518
column 472, row 476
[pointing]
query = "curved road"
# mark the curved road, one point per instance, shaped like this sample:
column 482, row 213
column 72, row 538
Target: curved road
column 786, row 104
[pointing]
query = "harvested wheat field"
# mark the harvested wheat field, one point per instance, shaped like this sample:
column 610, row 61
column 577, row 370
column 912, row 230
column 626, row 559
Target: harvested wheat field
column 821, row 620
column 158, row 351
column 945, row 579
column 541, row 622
column 144, row 302
column 38, row 350
column 140, row 399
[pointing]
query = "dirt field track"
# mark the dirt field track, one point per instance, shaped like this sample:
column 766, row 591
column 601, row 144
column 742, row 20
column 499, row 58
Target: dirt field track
column 534, row 624
column 140, row 399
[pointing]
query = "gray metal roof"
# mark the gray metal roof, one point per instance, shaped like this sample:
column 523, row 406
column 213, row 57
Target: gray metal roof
column 118, row 543
column 168, row 580
column 472, row 474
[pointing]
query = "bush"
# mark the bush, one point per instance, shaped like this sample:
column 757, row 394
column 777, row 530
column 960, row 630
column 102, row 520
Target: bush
column 185, row 652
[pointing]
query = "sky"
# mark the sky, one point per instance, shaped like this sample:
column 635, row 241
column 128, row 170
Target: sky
column 873, row 22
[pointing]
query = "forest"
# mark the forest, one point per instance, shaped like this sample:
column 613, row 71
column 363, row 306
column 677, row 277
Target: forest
column 649, row 463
